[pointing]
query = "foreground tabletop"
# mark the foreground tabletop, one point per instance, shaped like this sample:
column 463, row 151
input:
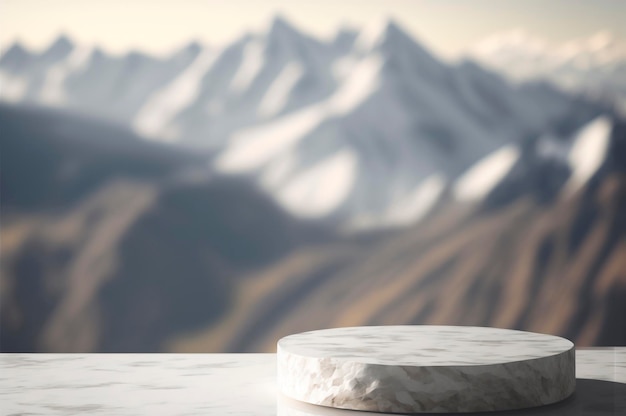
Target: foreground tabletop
column 234, row 384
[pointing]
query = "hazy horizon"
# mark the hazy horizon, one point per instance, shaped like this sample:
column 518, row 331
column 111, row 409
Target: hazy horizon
column 448, row 27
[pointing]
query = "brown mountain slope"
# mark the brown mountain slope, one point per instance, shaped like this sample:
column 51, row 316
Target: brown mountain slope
column 557, row 269
column 115, row 244
column 122, row 246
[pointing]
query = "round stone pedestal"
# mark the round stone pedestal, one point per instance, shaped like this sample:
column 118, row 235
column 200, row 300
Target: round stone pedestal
column 430, row 369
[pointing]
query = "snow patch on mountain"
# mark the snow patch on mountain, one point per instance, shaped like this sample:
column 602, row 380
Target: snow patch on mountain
column 588, row 152
column 23, row 73
column 416, row 203
column 252, row 148
column 368, row 126
column 321, row 189
column 277, row 94
column 278, row 171
column 250, row 66
column 362, row 82
column 404, row 210
column 485, row 175
column 163, row 105
column 13, row 87
column 53, row 91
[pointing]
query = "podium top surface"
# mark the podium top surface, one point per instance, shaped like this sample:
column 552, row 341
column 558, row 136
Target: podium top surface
column 424, row 345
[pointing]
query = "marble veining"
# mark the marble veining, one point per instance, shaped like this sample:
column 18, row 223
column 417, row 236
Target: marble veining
column 433, row 369
column 137, row 384
column 425, row 344
column 229, row 384
column 608, row 364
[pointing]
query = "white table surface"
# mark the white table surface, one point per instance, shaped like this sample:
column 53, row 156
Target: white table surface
column 228, row 384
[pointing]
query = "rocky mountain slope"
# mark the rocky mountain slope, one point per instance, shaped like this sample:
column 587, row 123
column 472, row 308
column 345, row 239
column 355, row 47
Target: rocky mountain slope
column 283, row 183
column 169, row 258
column 546, row 258
column 110, row 243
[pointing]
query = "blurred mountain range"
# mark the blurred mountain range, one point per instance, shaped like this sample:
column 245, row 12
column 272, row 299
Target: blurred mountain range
column 118, row 244
column 356, row 128
column 217, row 199
column 85, row 204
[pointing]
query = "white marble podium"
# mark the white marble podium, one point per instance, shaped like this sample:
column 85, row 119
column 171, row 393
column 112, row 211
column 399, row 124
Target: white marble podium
column 430, row 369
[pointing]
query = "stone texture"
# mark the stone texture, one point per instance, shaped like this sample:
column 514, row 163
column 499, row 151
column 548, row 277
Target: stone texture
column 230, row 384
column 403, row 369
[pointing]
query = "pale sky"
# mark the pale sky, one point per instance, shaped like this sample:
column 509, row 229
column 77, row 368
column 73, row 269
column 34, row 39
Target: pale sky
column 157, row 26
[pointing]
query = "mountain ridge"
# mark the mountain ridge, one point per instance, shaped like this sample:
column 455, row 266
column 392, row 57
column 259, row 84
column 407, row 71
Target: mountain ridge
column 594, row 66
column 144, row 249
column 331, row 129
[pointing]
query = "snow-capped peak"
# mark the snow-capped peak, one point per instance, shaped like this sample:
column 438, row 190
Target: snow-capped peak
column 601, row 40
column 15, row 55
column 597, row 42
column 344, row 38
column 592, row 66
column 381, row 33
column 343, row 127
column 513, row 41
column 283, row 39
column 390, row 40
column 60, row 48
column 191, row 49
column 280, row 26
column 16, row 49
column 509, row 48
column 598, row 49
column 281, row 31
column 135, row 58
